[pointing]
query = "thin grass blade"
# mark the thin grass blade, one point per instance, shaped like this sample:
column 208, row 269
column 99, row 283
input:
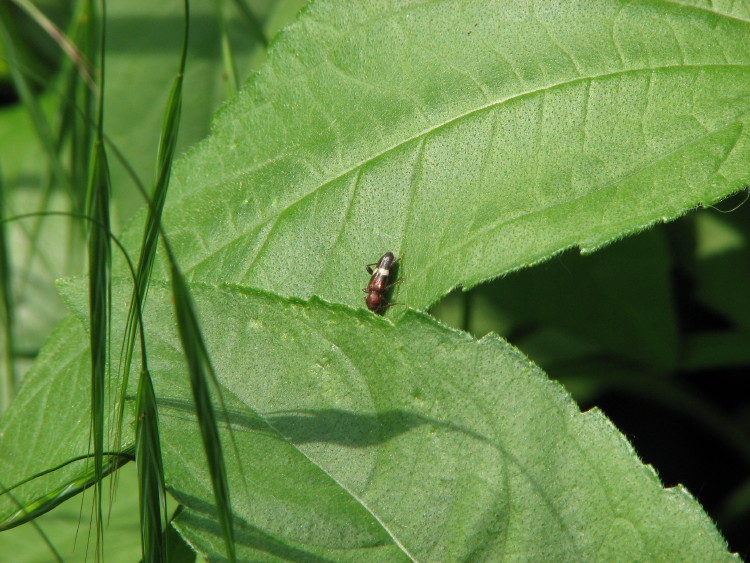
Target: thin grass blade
column 99, row 308
column 63, row 41
column 201, row 372
column 230, row 66
column 55, row 497
column 149, row 460
column 252, row 21
column 199, row 364
column 152, row 228
column 7, row 348
column 100, row 260
column 152, row 493
column 79, row 102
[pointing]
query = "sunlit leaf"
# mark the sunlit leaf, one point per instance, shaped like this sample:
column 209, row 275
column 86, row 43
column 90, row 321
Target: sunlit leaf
column 477, row 137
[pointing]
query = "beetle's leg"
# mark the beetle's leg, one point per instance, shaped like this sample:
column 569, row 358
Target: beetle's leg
column 386, row 288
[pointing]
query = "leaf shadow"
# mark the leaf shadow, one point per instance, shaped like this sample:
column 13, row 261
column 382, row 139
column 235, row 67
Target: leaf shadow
column 354, row 430
column 335, row 426
column 201, row 516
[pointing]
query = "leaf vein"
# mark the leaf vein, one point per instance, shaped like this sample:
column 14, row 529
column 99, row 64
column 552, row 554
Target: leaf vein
column 438, row 259
column 445, row 123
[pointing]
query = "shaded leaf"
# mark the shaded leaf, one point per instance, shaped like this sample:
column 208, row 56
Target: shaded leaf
column 48, row 423
column 355, row 445
column 121, row 544
column 144, row 41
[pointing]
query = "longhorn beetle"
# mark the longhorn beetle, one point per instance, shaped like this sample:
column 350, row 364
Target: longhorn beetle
column 379, row 286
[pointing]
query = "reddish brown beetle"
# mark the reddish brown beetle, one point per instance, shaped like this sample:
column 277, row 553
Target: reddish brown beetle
column 378, row 287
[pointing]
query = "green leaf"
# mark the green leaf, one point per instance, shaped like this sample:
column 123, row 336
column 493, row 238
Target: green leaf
column 357, row 447
column 67, row 529
column 476, row 137
column 48, row 422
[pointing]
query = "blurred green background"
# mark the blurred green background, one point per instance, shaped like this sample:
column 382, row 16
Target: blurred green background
column 654, row 329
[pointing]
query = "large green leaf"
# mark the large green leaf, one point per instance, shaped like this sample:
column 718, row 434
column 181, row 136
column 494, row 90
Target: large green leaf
column 478, row 137
column 355, row 446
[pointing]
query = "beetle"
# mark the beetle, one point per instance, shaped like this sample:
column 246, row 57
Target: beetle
column 378, row 287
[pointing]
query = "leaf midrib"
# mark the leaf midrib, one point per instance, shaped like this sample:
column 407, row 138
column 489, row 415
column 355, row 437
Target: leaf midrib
column 423, row 133
column 439, row 258
column 709, row 10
